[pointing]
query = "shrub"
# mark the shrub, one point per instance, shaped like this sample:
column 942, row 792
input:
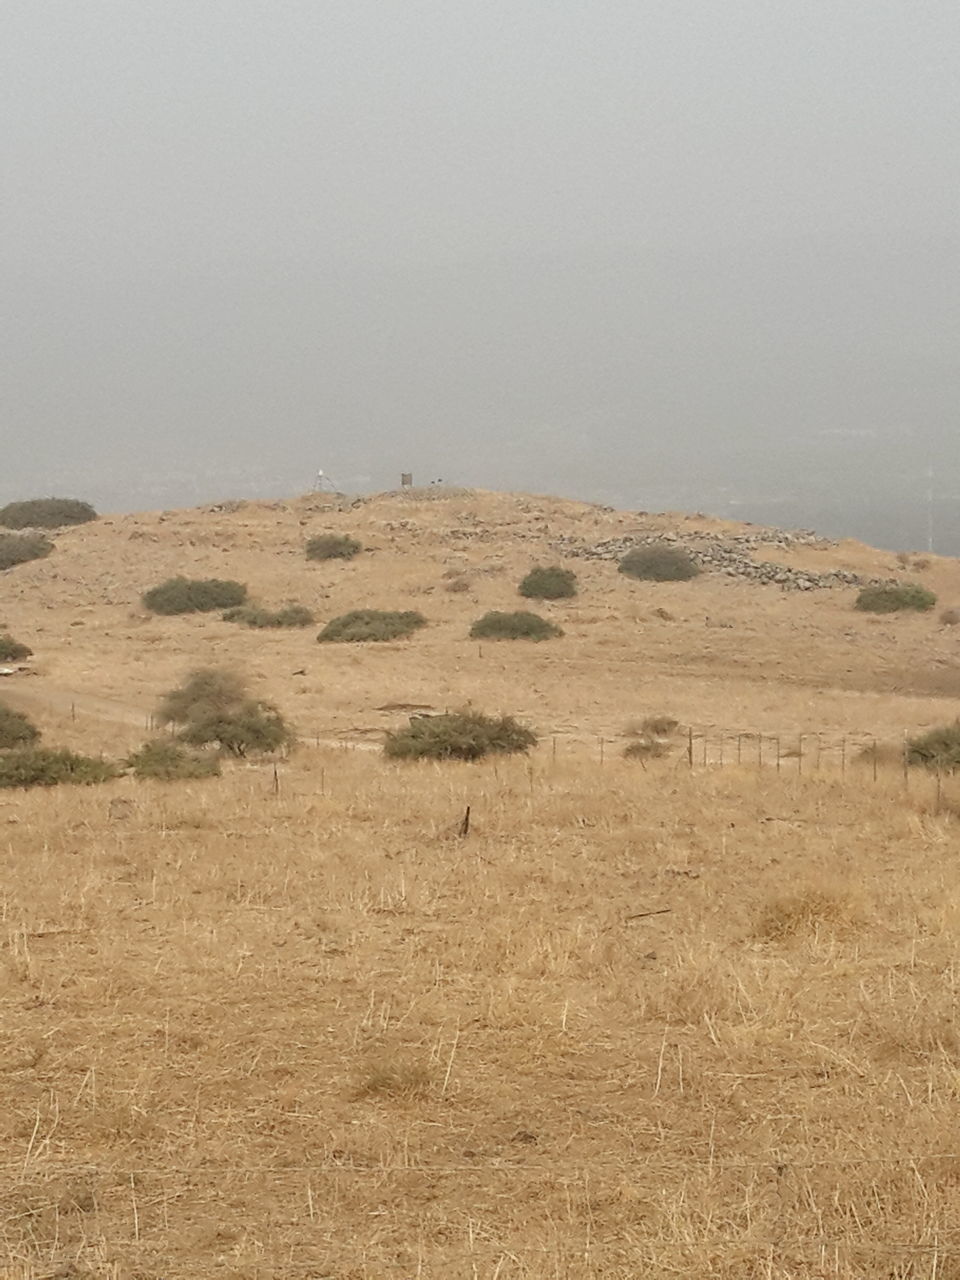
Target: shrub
column 37, row 767
column 513, row 626
column 194, row 595
column 950, row 617
column 332, row 546
column 16, row 730
column 458, row 582
column 46, row 513
column 169, row 762
column 939, row 749
column 207, row 691
column 458, row 735
column 371, row 624
column 213, row 706
column 645, row 748
column 12, row 650
column 659, row 562
column 291, row 615
column 894, row 597
column 19, row 548
column 552, row 583
column 252, row 726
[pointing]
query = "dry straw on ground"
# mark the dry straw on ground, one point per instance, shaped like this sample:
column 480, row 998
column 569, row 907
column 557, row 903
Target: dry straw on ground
column 320, row 1034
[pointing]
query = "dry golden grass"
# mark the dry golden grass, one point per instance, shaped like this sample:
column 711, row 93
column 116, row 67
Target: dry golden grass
column 319, row 1034
column 649, row 1022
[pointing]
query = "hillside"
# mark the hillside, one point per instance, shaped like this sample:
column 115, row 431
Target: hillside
column 733, row 656
column 296, row 1023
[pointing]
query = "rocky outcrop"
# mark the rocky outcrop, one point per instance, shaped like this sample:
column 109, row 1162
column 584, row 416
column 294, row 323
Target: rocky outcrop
column 729, row 554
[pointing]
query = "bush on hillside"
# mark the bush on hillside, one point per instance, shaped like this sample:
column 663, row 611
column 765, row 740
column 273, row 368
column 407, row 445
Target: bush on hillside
column 950, row 617
column 19, row 548
column 895, row 597
column 458, row 735
column 513, row 626
column 645, row 748
column 939, row 749
column 12, row 650
column 291, row 615
column 252, row 727
column 16, row 730
column 659, row 562
column 207, row 691
column 38, row 767
column 194, row 595
column 169, row 762
column 550, row 583
column 332, row 546
column 213, row 707
column 46, row 513
column 371, row 624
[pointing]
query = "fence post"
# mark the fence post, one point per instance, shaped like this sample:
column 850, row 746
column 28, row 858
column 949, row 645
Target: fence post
column 800, row 756
column 906, row 763
column 739, row 748
column 704, row 748
column 759, row 749
column 778, row 753
column 874, row 759
column 601, row 750
column 690, row 746
column 720, row 760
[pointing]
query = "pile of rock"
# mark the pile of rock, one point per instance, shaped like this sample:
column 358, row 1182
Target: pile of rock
column 728, row 554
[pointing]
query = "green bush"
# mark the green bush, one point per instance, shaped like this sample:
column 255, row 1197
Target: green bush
column 646, row 749
column 939, row 749
column 513, row 626
column 37, row 767
column 659, row 562
column 194, row 595
column 291, row 615
column 19, row 548
column 213, row 706
column 12, row 650
column 332, row 546
column 16, row 730
column 371, row 624
column 207, row 691
column 893, row 597
column 458, row 735
column 552, row 583
column 252, row 727
column 46, row 513
column 169, row 762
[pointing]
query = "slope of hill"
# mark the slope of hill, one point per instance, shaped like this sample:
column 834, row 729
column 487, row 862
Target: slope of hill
column 731, row 655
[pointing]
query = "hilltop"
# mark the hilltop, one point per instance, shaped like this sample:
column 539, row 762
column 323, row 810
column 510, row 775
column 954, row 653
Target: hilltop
column 734, row 651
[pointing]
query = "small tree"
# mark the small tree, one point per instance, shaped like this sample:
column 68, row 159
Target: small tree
column 895, row 597
column 513, row 626
column 252, row 727
column 332, row 546
column 207, row 691
column 12, row 650
column 46, row 513
column 194, row 595
column 37, row 767
column 212, row 706
column 166, row 761
column 551, row 583
column 20, row 548
column 939, row 749
column 16, row 730
column 371, row 624
column 458, row 735
column 659, row 562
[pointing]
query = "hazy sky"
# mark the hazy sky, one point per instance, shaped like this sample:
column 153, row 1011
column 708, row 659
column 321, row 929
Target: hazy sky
column 660, row 252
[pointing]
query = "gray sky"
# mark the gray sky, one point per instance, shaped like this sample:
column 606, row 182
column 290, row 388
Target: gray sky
column 657, row 252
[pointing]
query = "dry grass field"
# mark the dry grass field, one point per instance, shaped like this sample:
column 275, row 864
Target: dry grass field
column 641, row 1021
